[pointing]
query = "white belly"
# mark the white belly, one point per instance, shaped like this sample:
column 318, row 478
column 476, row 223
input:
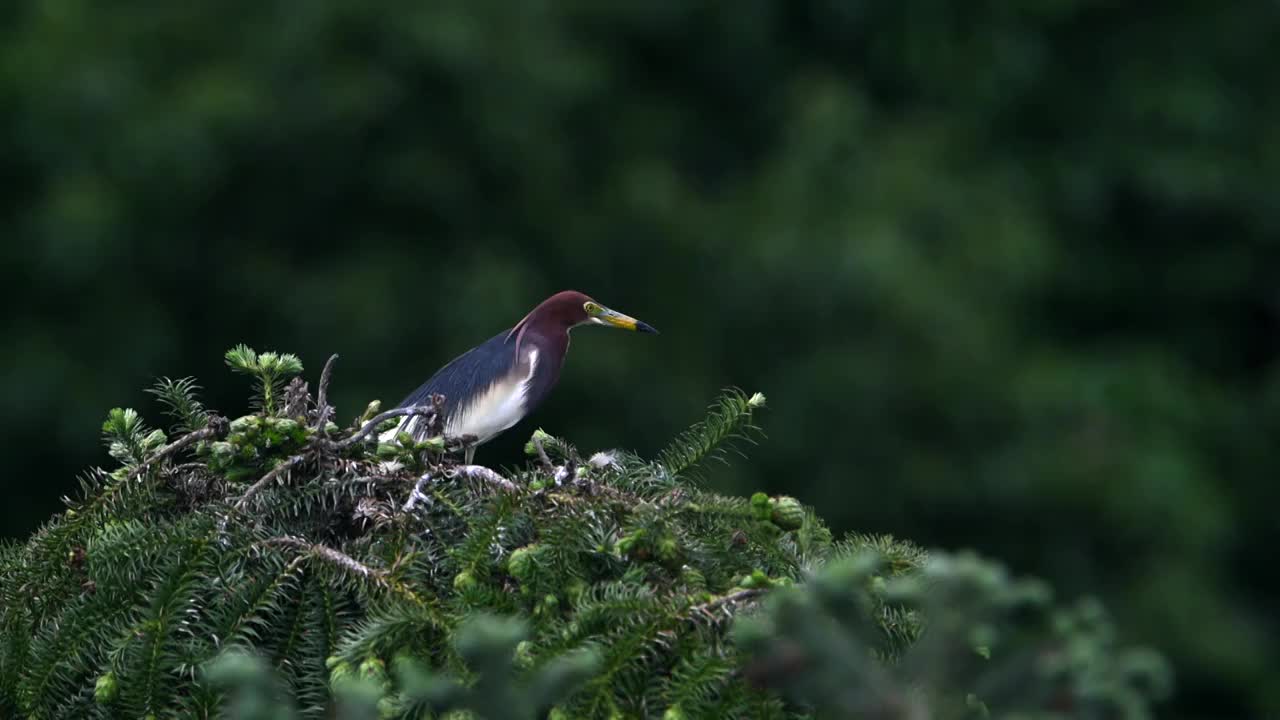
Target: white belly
column 496, row 409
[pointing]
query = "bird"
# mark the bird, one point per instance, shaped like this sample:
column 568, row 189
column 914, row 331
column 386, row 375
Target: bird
column 493, row 386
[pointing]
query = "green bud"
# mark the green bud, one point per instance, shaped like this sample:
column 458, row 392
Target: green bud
column 557, row 714
column 222, row 450
column 331, row 661
column 756, row 400
column 340, row 673
column 757, row 579
column 668, row 548
column 760, row 506
column 154, row 439
column 787, row 513
column 575, row 589
column 371, row 411
column 387, row 451
column 106, row 689
column 630, row 543
column 536, row 485
column 404, row 439
column 520, row 564
column 374, row 670
column 693, row 577
column 673, row 713
column 245, row 424
column 464, row 581
column 550, row 603
column 434, row 444
column 539, row 436
column 524, row 654
column 390, row 706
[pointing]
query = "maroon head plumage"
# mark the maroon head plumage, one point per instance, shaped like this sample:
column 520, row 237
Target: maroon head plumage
column 568, row 309
column 493, row 386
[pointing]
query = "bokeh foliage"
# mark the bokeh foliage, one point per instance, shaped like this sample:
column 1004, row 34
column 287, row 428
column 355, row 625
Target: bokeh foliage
column 1006, row 268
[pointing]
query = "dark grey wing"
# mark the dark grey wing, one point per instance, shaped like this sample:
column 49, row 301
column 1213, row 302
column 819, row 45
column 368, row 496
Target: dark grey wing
column 464, row 377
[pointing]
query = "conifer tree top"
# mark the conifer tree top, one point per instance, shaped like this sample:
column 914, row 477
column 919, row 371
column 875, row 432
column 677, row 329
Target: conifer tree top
column 388, row 576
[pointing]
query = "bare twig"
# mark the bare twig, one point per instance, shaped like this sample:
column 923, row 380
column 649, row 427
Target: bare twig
column 336, row 556
column 435, row 424
column 416, row 495
column 707, row 609
column 542, row 455
column 293, row 461
column 480, row 472
column 345, row 561
column 322, row 393
column 267, row 479
column 212, row 430
column 378, row 419
column 296, row 398
column 561, row 474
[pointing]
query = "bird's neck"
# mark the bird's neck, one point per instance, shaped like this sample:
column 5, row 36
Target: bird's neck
column 551, row 343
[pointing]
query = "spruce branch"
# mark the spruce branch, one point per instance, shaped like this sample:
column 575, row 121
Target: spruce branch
column 270, row 477
column 127, row 437
column 179, row 398
column 728, row 420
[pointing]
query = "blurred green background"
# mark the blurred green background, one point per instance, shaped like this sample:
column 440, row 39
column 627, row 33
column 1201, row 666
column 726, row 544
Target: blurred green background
column 1005, row 270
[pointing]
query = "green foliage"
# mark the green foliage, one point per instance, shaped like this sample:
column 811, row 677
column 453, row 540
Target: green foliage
column 410, row 586
column 270, row 371
column 128, row 438
column 981, row 645
column 729, row 420
column 181, row 403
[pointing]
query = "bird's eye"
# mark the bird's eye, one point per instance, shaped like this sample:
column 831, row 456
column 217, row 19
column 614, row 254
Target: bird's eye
column 591, row 308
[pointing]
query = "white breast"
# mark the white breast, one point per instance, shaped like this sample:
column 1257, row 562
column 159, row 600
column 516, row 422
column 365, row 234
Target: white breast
column 495, row 410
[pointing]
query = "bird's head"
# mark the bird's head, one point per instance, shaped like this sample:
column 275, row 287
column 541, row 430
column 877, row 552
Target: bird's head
column 570, row 308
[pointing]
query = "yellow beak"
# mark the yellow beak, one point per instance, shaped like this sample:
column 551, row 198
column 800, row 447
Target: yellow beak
column 616, row 319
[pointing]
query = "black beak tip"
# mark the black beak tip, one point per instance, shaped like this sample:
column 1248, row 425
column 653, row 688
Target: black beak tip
column 645, row 327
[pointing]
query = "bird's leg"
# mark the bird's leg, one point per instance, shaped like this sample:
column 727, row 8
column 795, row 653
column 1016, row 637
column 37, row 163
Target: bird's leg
column 470, row 454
